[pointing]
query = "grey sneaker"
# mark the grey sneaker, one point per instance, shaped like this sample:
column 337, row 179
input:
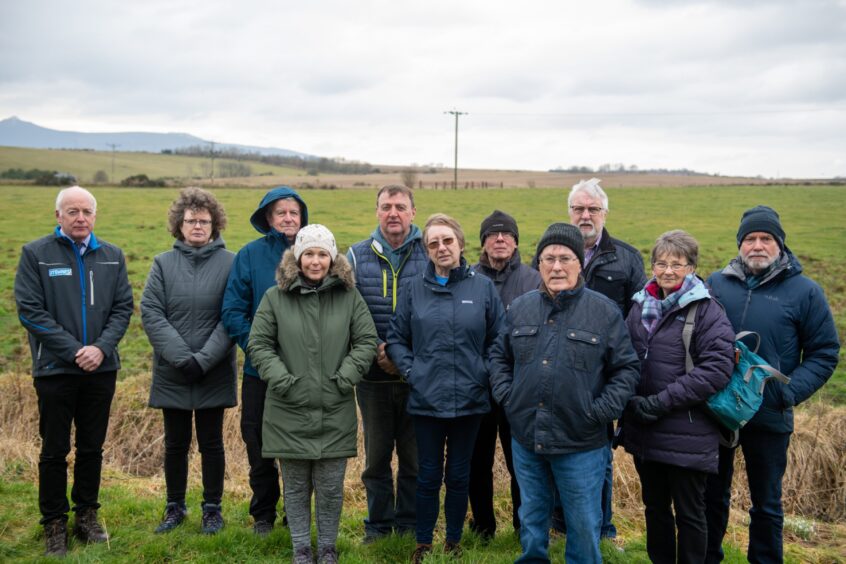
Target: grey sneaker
column 327, row 555
column 56, row 538
column 262, row 528
column 174, row 515
column 303, row 555
column 212, row 519
column 87, row 528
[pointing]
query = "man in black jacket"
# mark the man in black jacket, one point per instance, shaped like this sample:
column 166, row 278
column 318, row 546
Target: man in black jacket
column 612, row 268
column 74, row 299
column 499, row 261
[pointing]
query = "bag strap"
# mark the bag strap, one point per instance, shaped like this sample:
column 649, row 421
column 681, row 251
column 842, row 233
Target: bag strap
column 687, row 334
column 740, row 336
column 771, row 373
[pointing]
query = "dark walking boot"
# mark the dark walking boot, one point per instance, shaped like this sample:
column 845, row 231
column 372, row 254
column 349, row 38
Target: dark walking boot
column 420, row 553
column 87, row 528
column 56, row 538
column 174, row 515
column 212, row 519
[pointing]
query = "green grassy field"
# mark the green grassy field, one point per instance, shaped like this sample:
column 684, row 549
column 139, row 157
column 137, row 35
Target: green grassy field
column 84, row 164
column 135, row 220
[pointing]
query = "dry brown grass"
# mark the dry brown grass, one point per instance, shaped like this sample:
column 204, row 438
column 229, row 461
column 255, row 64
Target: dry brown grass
column 814, row 487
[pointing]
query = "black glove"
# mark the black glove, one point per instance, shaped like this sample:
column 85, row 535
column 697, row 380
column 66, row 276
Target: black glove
column 192, row 371
column 647, row 409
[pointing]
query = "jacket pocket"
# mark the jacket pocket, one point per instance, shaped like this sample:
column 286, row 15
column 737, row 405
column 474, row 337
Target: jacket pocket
column 585, row 349
column 611, row 284
column 524, row 342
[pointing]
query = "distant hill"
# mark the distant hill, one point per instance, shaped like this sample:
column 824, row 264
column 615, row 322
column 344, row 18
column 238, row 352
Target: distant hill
column 15, row 132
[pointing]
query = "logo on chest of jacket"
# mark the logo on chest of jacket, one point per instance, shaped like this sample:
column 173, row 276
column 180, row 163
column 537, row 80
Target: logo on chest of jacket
column 53, row 272
column 467, row 301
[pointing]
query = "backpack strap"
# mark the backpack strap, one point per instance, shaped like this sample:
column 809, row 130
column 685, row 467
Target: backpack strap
column 687, row 334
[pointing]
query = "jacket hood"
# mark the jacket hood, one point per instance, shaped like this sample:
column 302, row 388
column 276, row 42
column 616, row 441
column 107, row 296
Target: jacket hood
column 288, row 273
column 259, row 217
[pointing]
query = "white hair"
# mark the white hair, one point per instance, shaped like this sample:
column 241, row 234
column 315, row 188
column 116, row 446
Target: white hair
column 62, row 193
column 591, row 188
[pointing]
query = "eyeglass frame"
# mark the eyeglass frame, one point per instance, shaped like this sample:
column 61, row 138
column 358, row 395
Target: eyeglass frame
column 663, row 266
column 593, row 211
column 196, row 222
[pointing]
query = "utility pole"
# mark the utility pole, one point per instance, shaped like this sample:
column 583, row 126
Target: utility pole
column 212, row 161
column 456, row 113
column 113, row 146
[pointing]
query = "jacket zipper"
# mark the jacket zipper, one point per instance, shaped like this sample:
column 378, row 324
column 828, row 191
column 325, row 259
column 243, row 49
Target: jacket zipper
column 81, row 264
column 91, row 285
column 38, row 356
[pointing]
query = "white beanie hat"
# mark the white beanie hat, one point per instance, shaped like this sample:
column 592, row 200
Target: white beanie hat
column 315, row 235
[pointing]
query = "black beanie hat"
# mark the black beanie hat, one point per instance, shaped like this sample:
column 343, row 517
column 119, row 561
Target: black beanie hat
column 496, row 222
column 761, row 218
column 563, row 234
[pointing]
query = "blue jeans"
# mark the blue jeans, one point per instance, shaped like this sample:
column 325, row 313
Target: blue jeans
column 578, row 479
column 387, row 425
column 435, row 438
column 765, row 454
column 608, row 529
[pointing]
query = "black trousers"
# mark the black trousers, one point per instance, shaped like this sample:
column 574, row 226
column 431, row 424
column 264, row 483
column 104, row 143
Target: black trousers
column 481, row 473
column 177, row 437
column 85, row 401
column 665, row 490
column 264, row 474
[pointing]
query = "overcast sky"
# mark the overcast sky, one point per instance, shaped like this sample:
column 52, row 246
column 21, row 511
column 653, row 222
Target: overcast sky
column 730, row 87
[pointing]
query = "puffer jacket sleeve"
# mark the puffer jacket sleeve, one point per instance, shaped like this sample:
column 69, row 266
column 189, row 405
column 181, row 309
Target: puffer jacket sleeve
column 263, row 349
column 238, row 300
column 622, row 371
column 362, row 346
column 215, row 349
column 501, row 363
column 712, row 350
column 164, row 337
column 399, row 345
column 33, row 313
column 119, row 313
column 820, row 347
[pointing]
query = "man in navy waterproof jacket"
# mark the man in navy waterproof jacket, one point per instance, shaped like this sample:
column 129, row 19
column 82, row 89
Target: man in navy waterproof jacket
column 279, row 217
column 384, row 265
column 563, row 368
column 499, row 261
column 763, row 290
column 74, row 299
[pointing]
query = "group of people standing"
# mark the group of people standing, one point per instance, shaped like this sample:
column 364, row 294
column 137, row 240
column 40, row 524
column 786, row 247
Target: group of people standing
column 442, row 357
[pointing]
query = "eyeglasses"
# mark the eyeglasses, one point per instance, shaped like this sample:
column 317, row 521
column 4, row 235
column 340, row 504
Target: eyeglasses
column 550, row 260
column 662, row 266
column 446, row 241
column 196, row 222
column 579, row 210
column 497, row 234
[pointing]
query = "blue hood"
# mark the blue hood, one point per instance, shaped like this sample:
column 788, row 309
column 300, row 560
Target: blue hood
column 259, row 217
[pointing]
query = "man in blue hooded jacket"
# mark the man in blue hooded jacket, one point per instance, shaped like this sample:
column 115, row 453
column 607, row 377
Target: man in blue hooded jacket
column 280, row 215
column 763, row 290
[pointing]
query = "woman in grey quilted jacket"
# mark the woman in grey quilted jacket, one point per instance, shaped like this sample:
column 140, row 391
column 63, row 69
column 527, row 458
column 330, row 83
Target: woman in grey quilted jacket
column 194, row 360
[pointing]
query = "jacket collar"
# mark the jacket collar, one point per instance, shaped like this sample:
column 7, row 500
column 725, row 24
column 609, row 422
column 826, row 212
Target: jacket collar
column 457, row 274
column 485, row 264
column 564, row 297
column 93, row 243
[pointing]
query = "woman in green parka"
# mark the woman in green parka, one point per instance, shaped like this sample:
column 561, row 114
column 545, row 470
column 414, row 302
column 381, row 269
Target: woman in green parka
column 312, row 339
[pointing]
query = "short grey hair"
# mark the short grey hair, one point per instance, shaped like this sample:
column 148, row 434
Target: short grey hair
column 62, row 193
column 591, row 188
column 677, row 243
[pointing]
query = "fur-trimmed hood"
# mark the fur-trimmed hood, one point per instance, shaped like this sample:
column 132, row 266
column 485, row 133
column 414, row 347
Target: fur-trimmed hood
column 288, row 273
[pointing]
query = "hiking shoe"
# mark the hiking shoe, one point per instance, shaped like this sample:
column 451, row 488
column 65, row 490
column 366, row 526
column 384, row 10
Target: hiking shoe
column 262, row 528
column 420, row 553
column 56, row 538
column 87, row 528
column 453, row 548
column 302, row 555
column 327, row 555
column 174, row 514
column 212, row 519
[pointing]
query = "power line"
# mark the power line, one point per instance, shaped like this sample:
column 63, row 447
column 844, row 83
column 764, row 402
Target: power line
column 665, row 114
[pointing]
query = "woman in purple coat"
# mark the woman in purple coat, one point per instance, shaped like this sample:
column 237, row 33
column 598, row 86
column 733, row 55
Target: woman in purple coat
column 667, row 429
